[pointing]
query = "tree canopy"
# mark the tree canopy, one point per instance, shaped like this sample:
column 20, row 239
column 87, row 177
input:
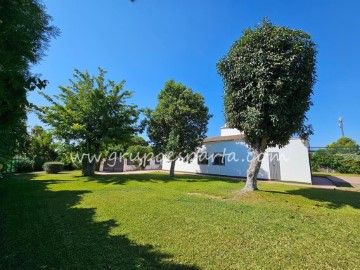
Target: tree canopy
column 92, row 113
column 268, row 77
column 25, row 33
column 41, row 147
column 179, row 122
column 343, row 145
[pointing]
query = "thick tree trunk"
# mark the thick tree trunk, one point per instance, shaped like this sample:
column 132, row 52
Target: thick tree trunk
column 254, row 167
column 88, row 162
column 172, row 168
column 88, row 168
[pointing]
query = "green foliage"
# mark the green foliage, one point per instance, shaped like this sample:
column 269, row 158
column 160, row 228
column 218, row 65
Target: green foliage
column 268, row 77
column 179, row 122
column 25, row 32
column 64, row 151
column 341, row 156
column 53, row 167
column 91, row 113
column 23, row 164
column 338, row 162
column 343, row 145
column 123, row 147
column 140, row 154
column 41, row 147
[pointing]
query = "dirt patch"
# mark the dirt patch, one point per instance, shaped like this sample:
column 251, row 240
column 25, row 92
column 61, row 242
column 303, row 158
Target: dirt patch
column 205, row 195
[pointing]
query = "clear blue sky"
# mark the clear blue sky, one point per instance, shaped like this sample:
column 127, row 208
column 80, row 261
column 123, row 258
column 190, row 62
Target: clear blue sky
column 151, row 41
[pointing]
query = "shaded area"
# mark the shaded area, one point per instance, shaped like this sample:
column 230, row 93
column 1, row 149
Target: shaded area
column 333, row 198
column 156, row 177
column 41, row 229
column 339, row 182
column 321, row 181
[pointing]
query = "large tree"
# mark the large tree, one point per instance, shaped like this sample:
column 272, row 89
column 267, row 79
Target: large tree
column 268, row 77
column 178, row 124
column 91, row 113
column 25, row 33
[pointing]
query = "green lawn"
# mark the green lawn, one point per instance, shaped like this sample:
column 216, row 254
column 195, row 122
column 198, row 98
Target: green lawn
column 150, row 221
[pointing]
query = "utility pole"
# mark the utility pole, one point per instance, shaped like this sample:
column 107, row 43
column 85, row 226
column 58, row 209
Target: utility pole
column 341, row 125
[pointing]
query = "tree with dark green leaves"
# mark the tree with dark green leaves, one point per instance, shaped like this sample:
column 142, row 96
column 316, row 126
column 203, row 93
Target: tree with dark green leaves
column 268, row 76
column 178, row 124
column 91, row 113
column 41, row 147
column 25, row 33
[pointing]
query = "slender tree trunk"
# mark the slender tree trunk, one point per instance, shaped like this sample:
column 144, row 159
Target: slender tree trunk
column 172, row 168
column 254, row 167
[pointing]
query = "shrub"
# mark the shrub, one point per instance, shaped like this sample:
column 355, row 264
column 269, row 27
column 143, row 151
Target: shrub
column 23, row 165
column 53, row 167
column 343, row 163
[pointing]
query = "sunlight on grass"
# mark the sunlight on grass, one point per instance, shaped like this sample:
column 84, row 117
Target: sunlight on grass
column 150, row 221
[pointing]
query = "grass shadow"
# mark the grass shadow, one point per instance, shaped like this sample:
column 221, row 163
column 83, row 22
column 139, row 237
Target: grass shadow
column 156, row 177
column 334, row 198
column 43, row 229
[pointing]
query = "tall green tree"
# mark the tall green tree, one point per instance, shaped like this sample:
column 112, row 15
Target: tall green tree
column 25, row 33
column 268, row 77
column 178, row 124
column 41, row 147
column 92, row 113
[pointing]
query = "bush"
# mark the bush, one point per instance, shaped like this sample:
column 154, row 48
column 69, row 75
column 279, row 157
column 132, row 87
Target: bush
column 53, row 167
column 342, row 163
column 23, row 165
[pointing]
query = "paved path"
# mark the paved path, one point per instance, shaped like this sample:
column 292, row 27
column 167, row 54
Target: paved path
column 322, row 182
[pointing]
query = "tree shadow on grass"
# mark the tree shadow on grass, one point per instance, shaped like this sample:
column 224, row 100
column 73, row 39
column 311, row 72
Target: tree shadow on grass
column 334, row 198
column 43, row 229
column 157, row 177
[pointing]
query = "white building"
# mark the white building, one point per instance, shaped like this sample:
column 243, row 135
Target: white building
column 125, row 165
column 229, row 155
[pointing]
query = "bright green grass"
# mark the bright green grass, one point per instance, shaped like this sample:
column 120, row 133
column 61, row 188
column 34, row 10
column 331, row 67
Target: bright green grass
column 150, row 221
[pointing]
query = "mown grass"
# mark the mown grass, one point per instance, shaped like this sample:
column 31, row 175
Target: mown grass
column 150, row 221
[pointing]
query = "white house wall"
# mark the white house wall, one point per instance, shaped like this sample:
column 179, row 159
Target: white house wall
column 294, row 161
column 152, row 166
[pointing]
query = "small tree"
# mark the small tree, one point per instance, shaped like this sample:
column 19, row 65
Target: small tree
column 268, row 77
column 92, row 113
column 140, row 154
column 179, row 122
column 41, row 147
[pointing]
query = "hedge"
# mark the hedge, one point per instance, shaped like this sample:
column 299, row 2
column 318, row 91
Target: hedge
column 53, row 167
column 23, row 165
column 342, row 163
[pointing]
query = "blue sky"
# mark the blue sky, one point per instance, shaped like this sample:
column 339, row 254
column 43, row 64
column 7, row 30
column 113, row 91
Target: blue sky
column 151, row 41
